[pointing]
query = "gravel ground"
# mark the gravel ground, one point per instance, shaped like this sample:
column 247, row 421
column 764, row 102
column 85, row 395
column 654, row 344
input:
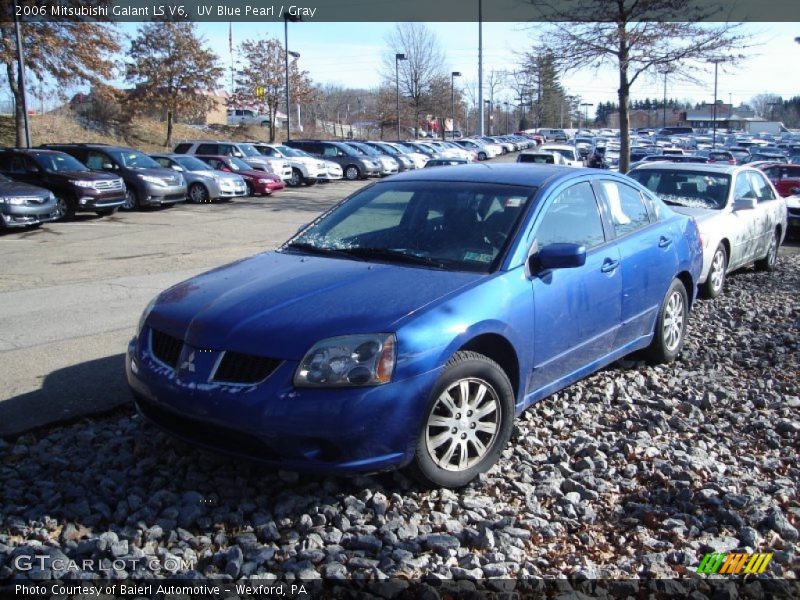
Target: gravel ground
column 635, row 471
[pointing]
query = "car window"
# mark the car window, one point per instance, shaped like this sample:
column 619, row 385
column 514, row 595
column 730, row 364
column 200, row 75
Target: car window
column 17, row 165
column 330, row 151
column 95, row 160
column 761, row 186
column 686, row 188
column 744, row 188
column 164, row 162
column 572, row 218
column 625, row 205
column 182, row 148
column 208, row 149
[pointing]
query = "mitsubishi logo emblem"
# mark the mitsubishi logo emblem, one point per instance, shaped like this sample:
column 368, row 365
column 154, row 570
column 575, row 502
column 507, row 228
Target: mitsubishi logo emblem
column 188, row 364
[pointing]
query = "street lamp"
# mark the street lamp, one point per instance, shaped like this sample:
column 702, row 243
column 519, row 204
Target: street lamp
column 665, row 72
column 453, row 76
column 397, row 58
column 586, row 106
column 716, row 62
column 489, row 115
column 506, row 105
column 286, row 18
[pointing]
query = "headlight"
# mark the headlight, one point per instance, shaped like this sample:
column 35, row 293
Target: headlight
column 265, row 180
column 146, row 313
column 12, row 201
column 153, row 180
column 82, row 183
column 349, row 360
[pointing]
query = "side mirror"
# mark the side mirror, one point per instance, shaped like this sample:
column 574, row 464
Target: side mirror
column 558, row 256
column 32, row 169
column 238, row 154
column 177, row 168
column 744, row 204
column 108, row 166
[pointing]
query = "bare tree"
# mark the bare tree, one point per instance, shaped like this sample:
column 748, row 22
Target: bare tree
column 64, row 53
column 636, row 36
column 423, row 66
column 764, row 104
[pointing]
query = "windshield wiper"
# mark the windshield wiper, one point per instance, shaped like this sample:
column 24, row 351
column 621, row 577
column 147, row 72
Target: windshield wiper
column 318, row 250
column 393, row 255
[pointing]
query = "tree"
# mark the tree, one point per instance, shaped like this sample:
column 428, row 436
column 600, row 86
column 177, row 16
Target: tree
column 66, row 53
column 636, row 36
column 261, row 84
column 766, row 105
column 424, row 64
column 171, row 69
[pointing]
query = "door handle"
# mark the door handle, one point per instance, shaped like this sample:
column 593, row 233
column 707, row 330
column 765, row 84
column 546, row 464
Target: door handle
column 609, row 265
column 664, row 242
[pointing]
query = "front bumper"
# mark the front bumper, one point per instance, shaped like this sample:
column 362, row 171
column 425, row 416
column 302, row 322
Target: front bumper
column 792, row 217
column 89, row 200
column 232, row 190
column 25, row 216
column 333, row 430
column 267, row 188
column 158, row 195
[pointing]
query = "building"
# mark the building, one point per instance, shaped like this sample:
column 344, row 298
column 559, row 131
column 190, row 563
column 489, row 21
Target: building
column 641, row 119
column 727, row 117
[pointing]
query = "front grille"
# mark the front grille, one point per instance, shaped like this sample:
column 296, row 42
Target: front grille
column 165, row 348
column 31, row 199
column 244, row 368
column 795, row 212
column 114, row 185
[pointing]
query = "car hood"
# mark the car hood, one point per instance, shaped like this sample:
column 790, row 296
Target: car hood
column 279, row 304
column 701, row 215
column 793, row 201
column 168, row 175
column 16, row 188
column 85, row 175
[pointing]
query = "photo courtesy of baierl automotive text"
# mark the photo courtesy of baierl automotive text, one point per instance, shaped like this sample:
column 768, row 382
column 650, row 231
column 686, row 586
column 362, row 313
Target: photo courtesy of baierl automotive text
column 453, row 299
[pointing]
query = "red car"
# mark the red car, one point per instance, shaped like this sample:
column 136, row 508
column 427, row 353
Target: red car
column 785, row 178
column 258, row 182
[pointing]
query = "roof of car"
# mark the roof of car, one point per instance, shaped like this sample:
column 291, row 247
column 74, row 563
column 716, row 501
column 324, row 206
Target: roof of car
column 508, row 173
column 705, row 167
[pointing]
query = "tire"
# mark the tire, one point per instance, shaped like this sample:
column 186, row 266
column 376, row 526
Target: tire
column 352, row 173
column 64, row 209
column 482, row 156
column 265, row 123
column 131, row 200
column 309, row 181
column 670, row 331
column 712, row 287
column 198, row 193
column 250, row 191
column 297, row 178
column 448, row 453
column 106, row 212
column 770, row 261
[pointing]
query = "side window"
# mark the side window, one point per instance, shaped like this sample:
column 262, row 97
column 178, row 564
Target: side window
column 743, row 188
column 182, row 148
column 207, row 149
column 164, row 162
column 95, row 160
column 762, row 188
column 330, row 150
column 17, row 165
column 572, row 218
column 226, row 150
column 628, row 212
column 216, row 163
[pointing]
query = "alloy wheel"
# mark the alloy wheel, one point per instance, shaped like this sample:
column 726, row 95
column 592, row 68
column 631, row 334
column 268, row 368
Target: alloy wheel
column 463, row 424
column 130, row 200
column 717, row 274
column 673, row 321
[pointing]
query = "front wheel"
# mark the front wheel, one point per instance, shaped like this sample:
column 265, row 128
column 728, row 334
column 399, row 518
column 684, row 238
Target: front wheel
column 106, row 212
column 65, row 210
column 352, row 173
column 770, row 260
column 198, row 193
column 467, row 424
column 716, row 274
column 309, row 181
column 131, row 200
column 670, row 325
column 482, row 156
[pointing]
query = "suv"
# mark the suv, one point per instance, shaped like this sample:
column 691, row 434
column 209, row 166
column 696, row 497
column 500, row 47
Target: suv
column 146, row 182
column 244, row 116
column 245, row 151
column 553, row 135
column 75, row 187
column 354, row 165
column 305, row 169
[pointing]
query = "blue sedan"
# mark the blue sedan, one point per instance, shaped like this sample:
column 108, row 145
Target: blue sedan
column 411, row 323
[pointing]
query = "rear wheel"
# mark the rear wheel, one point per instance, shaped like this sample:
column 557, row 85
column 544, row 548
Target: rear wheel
column 712, row 287
column 467, row 424
column 770, row 260
column 670, row 325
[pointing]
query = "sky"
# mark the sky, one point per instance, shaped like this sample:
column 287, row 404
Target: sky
column 351, row 55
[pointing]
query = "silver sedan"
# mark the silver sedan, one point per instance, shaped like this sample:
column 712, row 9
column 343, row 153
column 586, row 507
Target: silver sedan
column 741, row 217
column 204, row 183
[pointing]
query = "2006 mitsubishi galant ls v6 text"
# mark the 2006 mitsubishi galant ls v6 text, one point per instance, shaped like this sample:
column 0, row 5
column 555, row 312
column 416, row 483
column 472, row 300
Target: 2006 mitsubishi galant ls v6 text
column 409, row 324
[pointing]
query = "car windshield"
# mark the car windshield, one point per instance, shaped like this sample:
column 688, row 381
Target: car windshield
column 249, row 150
column 190, row 163
column 132, row 159
column 4, row 179
column 286, row 151
column 406, row 147
column 692, row 189
column 364, row 149
column 388, row 149
column 59, row 163
column 237, row 164
column 568, row 154
column 462, row 226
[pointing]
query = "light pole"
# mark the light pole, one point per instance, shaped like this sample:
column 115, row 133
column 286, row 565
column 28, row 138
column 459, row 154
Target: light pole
column 586, row 106
column 665, row 72
column 286, row 18
column 21, row 80
column 716, row 62
column 506, row 105
column 453, row 76
column 397, row 58
column 489, row 116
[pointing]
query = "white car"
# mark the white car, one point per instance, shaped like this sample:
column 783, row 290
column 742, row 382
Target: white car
column 305, row 168
column 793, row 211
column 740, row 215
column 570, row 153
column 450, row 150
column 482, row 150
column 334, row 172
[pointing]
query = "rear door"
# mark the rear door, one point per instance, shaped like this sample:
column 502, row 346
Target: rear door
column 648, row 257
column 576, row 310
column 767, row 211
